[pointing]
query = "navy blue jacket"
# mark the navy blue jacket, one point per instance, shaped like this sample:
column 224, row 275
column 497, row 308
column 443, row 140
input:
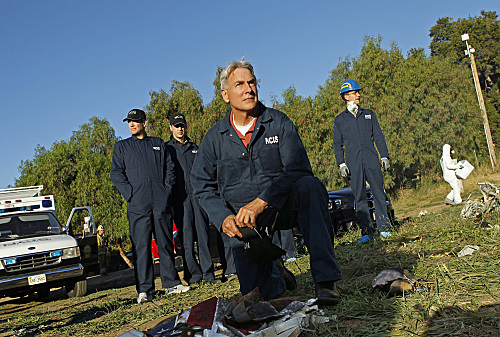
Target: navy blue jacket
column 226, row 175
column 143, row 172
column 356, row 135
column 183, row 158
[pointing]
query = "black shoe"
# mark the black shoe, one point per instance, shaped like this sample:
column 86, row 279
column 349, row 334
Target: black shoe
column 290, row 281
column 195, row 283
column 327, row 295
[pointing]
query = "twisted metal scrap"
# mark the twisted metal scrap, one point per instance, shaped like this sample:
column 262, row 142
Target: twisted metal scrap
column 477, row 207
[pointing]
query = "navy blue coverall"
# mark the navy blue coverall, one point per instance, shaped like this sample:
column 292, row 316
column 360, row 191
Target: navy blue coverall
column 225, row 254
column 275, row 168
column 353, row 143
column 143, row 172
column 190, row 220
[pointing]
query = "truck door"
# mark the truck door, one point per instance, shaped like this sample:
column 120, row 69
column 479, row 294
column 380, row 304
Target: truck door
column 82, row 227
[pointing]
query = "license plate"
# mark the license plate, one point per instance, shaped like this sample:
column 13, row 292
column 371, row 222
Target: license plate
column 36, row 279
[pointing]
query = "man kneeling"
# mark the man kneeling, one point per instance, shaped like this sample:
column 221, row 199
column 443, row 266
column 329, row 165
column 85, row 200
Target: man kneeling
column 252, row 161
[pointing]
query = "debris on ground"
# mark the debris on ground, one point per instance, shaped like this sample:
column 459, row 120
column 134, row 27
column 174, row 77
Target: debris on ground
column 395, row 281
column 467, row 250
column 486, row 225
column 489, row 200
column 133, row 333
column 423, row 213
column 247, row 316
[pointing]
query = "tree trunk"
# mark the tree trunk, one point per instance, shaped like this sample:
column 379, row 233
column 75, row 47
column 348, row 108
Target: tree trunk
column 124, row 257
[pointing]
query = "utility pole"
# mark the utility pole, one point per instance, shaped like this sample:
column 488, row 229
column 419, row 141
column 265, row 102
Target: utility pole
column 491, row 147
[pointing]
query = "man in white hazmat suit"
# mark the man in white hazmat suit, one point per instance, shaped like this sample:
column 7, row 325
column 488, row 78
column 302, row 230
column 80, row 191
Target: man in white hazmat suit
column 449, row 168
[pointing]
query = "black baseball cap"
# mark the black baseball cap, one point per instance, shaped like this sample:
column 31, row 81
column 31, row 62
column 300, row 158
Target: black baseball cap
column 178, row 118
column 136, row 115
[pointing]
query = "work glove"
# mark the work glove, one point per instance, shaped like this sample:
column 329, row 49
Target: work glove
column 385, row 163
column 344, row 171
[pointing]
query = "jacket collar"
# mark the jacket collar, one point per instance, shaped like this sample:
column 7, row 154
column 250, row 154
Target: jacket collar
column 360, row 112
column 134, row 137
column 175, row 141
column 264, row 117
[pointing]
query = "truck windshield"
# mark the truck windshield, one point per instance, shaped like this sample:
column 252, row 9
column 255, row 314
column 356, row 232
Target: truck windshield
column 19, row 226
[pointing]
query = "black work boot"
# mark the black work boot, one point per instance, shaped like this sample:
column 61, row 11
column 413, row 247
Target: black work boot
column 290, row 281
column 327, row 293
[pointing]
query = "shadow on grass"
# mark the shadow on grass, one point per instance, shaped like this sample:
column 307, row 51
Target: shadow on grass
column 455, row 321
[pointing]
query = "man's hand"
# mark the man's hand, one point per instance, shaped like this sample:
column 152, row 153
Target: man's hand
column 229, row 227
column 385, row 163
column 247, row 214
column 344, row 170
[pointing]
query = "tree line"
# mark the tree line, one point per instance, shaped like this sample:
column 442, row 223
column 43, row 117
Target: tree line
column 422, row 102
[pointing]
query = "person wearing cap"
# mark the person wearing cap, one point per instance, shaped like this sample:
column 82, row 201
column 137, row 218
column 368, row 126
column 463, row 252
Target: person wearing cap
column 101, row 249
column 190, row 220
column 251, row 164
column 143, row 172
column 355, row 130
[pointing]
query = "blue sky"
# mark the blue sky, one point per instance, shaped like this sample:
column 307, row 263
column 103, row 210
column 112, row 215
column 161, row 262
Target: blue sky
column 64, row 61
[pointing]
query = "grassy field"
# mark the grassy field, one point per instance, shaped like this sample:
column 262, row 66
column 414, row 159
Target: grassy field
column 460, row 296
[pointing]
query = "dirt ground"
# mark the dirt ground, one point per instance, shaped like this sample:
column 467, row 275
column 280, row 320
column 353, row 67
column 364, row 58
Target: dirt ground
column 117, row 279
column 469, row 185
column 122, row 281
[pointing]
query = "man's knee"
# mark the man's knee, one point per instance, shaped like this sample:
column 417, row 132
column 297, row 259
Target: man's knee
column 309, row 184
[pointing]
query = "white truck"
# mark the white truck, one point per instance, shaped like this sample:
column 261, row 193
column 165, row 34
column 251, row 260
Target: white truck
column 37, row 253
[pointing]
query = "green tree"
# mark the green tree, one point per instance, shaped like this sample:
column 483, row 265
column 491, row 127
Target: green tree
column 92, row 146
column 55, row 170
column 182, row 98
column 76, row 172
column 484, row 36
column 421, row 103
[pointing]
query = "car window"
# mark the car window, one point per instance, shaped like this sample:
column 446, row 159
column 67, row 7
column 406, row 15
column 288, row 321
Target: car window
column 28, row 225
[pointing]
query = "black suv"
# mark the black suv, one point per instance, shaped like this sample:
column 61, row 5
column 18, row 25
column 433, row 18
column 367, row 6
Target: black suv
column 342, row 208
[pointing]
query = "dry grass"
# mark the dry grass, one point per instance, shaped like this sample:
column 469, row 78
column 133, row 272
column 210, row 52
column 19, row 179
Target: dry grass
column 430, row 193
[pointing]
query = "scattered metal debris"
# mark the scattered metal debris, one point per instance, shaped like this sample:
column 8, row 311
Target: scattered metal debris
column 467, row 250
column 423, row 213
column 247, row 316
column 490, row 199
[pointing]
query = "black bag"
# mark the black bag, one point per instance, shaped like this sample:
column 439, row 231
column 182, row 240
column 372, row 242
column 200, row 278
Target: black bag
column 258, row 241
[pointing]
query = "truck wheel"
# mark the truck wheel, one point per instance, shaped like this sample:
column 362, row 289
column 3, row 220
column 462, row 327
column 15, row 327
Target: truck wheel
column 43, row 293
column 76, row 287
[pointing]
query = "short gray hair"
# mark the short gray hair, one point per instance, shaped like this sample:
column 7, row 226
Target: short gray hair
column 224, row 75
